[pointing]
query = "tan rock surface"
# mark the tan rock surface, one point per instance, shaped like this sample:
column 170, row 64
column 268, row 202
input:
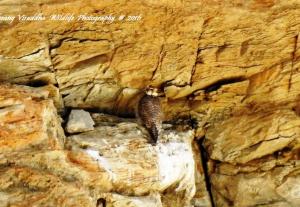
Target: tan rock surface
column 28, row 120
column 114, row 162
column 135, row 167
column 256, row 162
column 231, row 67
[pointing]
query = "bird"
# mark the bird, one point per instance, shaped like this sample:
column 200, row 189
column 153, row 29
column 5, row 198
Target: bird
column 149, row 113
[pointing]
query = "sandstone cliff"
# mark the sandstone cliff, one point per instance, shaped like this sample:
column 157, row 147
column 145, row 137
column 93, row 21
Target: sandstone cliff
column 230, row 75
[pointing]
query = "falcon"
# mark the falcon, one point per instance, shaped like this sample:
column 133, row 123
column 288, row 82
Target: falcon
column 150, row 114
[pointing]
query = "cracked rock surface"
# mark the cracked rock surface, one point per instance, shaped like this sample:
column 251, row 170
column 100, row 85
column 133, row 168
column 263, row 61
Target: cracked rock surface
column 229, row 69
column 114, row 162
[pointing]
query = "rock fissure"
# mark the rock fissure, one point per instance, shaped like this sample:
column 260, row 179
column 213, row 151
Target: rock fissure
column 204, row 158
column 159, row 62
column 218, row 84
column 31, row 54
column 234, row 67
column 293, row 59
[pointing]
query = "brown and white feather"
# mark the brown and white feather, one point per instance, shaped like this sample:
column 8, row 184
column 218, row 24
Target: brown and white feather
column 150, row 114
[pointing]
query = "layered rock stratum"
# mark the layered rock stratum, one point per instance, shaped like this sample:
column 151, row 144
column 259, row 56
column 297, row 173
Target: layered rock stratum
column 229, row 72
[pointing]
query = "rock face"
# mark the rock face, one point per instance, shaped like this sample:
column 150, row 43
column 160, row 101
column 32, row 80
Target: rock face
column 135, row 167
column 28, row 120
column 114, row 163
column 257, row 163
column 230, row 69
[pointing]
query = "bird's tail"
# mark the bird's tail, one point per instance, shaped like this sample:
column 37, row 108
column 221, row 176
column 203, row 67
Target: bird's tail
column 154, row 133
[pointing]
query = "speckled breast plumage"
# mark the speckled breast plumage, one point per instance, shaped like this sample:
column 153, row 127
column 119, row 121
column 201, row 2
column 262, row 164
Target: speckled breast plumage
column 150, row 113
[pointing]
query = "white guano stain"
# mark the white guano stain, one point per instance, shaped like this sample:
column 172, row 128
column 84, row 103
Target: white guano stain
column 176, row 164
column 103, row 162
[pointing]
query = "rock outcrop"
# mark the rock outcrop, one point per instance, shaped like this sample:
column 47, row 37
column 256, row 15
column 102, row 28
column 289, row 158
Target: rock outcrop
column 228, row 69
column 114, row 162
column 79, row 121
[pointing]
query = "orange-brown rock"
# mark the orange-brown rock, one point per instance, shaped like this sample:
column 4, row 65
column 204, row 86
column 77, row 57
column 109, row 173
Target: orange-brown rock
column 114, row 162
column 28, row 120
column 230, row 68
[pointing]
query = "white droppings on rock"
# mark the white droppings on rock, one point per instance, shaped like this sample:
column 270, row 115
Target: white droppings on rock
column 103, row 162
column 176, row 163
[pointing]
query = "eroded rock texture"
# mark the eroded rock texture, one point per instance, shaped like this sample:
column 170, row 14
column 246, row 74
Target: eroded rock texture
column 229, row 68
column 257, row 163
column 114, row 162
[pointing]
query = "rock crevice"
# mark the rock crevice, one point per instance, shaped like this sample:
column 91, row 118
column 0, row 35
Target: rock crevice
column 232, row 67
